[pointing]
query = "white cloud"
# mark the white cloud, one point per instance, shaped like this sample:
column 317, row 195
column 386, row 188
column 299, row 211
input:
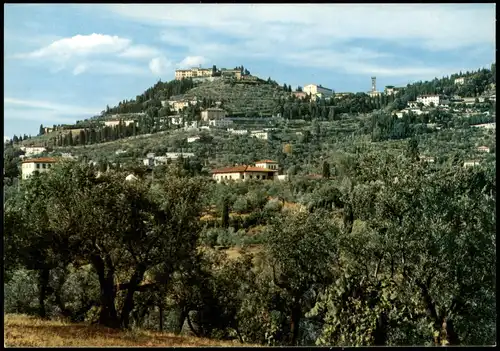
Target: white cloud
column 139, row 52
column 160, row 65
column 79, row 54
column 81, row 45
column 192, row 61
column 453, row 25
column 280, row 32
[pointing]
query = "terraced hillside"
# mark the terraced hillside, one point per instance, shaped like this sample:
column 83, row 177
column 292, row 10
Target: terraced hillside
column 245, row 98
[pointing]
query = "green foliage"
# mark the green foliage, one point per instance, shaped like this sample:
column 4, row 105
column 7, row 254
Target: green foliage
column 21, row 292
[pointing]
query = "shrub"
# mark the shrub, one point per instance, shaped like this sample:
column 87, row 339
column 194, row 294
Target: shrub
column 210, row 236
column 21, row 293
column 273, row 206
column 241, row 205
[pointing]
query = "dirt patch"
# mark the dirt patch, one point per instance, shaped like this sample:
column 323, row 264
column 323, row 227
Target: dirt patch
column 20, row 330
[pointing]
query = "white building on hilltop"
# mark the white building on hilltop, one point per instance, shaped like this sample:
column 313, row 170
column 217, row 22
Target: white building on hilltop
column 313, row 89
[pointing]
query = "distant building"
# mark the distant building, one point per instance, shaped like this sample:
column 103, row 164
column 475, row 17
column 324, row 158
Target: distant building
column 429, row 159
column 220, row 123
column 260, row 134
column 299, row 94
column 176, row 155
column 390, row 90
column 151, row 160
column 483, row 149
column 192, row 73
column 313, row 89
column 374, row 93
column 437, row 100
column 471, row 163
column 40, row 165
column 179, row 105
column 460, row 81
column 342, row 95
column 242, row 173
column 114, row 123
column 177, row 120
column 226, row 73
column 213, row 113
column 193, row 139
column 31, row 151
column 267, row 164
column 237, row 131
column 193, row 125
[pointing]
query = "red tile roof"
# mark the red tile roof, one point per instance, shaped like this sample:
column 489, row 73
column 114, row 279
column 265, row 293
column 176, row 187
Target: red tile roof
column 240, row 169
column 41, row 160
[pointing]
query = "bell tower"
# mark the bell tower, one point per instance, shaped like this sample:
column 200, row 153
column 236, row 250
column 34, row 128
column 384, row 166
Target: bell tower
column 374, row 84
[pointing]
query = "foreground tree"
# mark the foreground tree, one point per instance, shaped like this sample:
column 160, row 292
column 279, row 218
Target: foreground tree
column 303, row 250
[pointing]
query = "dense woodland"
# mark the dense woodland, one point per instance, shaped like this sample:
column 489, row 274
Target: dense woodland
column 365, row 244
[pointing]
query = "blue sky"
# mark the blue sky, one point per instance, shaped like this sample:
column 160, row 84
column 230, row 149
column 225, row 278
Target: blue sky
column 67, row 62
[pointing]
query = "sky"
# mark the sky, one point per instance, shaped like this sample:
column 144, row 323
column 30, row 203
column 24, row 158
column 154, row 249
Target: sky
column 66, row 62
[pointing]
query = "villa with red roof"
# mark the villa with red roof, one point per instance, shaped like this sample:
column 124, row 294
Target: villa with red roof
column 263, row 170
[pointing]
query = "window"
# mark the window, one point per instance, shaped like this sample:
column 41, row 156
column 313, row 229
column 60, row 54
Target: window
column 37, row 166
column 258, row 177
column 263, row 177
column 44, row 165
column 251, row 177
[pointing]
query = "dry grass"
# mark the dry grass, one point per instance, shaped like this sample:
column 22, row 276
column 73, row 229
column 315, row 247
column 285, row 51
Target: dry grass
column 20, row 330
column 235, row 252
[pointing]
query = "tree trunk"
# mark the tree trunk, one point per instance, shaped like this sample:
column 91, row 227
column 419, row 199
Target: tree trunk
column 295, row 322
column 128, row 305
column 43, row 284
column 161, row 316
column 107, row 316
column 181, row 319
column 380, row 332
column 452, row 336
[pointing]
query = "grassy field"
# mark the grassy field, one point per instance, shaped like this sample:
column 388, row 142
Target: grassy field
column 20, row 330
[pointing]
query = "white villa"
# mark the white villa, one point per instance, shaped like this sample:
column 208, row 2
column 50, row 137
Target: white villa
column 40, row 165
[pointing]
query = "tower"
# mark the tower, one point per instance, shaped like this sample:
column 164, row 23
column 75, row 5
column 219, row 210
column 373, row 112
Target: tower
column 374, row 83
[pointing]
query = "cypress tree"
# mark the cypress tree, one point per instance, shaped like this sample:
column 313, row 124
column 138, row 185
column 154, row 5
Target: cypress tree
column 326, row 170
column 225, row 213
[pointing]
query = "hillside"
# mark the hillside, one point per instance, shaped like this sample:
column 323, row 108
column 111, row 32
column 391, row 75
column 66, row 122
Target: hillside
column 241, row 98
column 252, row 97
column 24, row 331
